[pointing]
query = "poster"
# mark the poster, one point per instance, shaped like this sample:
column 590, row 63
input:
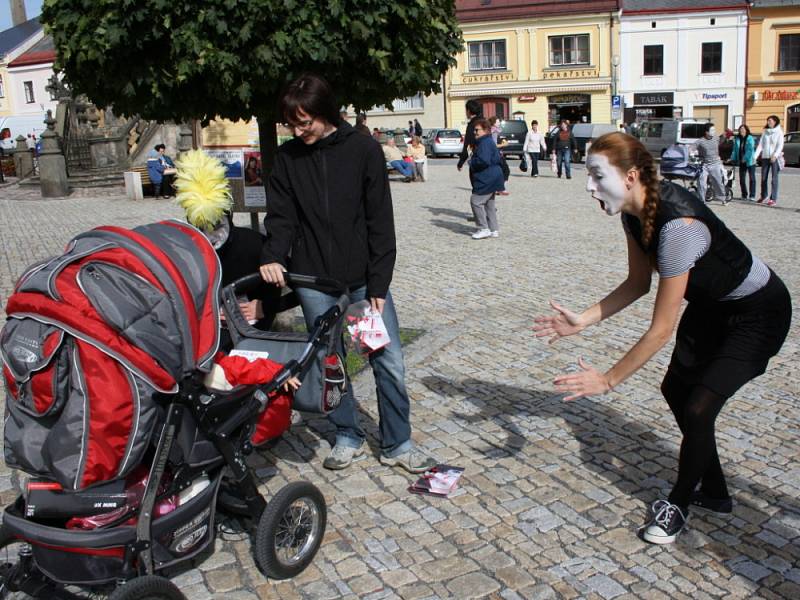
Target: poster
column 232, row 159
column 255, row 195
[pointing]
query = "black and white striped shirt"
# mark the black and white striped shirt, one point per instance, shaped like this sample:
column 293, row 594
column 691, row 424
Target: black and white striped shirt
column 682, row 243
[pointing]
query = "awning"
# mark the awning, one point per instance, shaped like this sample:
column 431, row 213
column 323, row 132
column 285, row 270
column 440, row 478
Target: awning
column 538, row 89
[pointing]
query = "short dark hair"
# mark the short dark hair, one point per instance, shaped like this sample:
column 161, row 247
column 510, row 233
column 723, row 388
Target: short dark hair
column 473, row 107
column 160, row 147
column 534, row 122
column 707, row 127
column 313, row 95
column 361, row 118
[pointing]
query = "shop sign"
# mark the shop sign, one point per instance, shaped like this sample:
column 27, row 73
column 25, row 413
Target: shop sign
column 569, row 99
column 527, row 98
column 570, row 74
column 712, row 97
column 660, row 98
column 780, row 95
column 487, row 78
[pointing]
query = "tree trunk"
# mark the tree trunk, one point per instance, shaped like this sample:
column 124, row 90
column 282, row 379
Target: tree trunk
column 268, row 144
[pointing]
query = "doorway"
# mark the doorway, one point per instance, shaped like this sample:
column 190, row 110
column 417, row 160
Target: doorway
column 717, row 114
column 494, row 107
column 572, row 107
column 793, row 120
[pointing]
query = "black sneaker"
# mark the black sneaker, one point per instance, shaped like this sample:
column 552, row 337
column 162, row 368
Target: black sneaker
column 667, row 522
column 718, row 505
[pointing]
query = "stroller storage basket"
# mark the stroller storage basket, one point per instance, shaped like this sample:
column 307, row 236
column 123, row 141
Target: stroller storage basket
column 77, row 557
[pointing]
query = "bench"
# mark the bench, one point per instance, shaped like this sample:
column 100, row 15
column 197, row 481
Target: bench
column 137, row 179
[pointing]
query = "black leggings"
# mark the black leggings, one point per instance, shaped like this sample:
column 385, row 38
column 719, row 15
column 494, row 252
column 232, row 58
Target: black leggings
column 695, row 408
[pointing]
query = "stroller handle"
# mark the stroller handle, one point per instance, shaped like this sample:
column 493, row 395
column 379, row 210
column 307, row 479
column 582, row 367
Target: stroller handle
column 324, row 284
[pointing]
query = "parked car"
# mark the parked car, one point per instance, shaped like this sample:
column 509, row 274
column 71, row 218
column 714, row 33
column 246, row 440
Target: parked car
column 791, row 148
column 441, row 142
column 585, row 133
column 514, row 133
column 658, row 134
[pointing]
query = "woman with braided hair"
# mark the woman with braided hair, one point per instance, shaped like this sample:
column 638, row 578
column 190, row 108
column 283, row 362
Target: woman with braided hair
column 737, row 317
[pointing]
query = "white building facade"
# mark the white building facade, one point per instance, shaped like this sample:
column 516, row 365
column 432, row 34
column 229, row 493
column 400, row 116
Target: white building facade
column 688, row 63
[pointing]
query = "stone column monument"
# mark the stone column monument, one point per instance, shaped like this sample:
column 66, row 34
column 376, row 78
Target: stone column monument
column 52, row 165
column 23, row 158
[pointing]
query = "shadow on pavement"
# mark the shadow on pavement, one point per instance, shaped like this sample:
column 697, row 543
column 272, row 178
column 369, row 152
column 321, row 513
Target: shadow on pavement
column 437, row 212
column 459, row 228
column 630, row 456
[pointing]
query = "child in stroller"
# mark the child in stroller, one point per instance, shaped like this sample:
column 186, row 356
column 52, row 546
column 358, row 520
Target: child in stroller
column 106, row 352
column 680, row 163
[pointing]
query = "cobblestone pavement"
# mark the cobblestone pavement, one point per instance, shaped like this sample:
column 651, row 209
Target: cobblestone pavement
column 553, row 492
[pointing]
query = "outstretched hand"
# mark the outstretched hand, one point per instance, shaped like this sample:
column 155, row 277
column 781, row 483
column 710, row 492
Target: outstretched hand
column 586, row 382
column 563, row 323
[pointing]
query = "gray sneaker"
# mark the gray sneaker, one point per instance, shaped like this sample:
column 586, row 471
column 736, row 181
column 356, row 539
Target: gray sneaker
column 342, row 456
column 412, row 461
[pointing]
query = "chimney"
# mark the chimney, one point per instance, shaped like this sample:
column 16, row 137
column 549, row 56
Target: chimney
column 18, row 15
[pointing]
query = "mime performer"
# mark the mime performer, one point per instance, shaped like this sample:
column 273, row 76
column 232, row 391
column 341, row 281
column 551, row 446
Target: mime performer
column 737, row 318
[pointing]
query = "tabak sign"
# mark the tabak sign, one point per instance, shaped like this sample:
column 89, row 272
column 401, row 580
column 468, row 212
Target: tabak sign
column 780, row 95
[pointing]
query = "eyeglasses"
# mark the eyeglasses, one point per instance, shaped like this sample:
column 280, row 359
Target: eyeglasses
column 300, row 124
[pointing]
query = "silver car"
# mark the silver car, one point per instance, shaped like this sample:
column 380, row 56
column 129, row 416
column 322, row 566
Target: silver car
column 441, row 142
column 791, row 148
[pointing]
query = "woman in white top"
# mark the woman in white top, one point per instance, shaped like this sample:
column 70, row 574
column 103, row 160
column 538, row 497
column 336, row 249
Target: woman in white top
column 770, row 149
column 534, row 141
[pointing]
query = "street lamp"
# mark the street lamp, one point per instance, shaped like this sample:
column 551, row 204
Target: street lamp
column 614, row 65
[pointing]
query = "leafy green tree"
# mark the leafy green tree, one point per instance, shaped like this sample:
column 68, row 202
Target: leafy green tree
column 172, row 59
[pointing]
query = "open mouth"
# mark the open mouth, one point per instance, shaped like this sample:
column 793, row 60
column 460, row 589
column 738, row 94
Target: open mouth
column 602, row 204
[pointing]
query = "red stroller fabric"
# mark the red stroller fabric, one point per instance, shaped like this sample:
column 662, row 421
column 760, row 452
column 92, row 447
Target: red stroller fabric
column 93, row 336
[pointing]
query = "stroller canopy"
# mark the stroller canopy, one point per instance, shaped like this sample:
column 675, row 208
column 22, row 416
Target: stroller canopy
column 92, row 336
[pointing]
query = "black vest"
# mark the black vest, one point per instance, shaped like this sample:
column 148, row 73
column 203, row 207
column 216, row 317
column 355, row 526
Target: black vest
column 726, row 264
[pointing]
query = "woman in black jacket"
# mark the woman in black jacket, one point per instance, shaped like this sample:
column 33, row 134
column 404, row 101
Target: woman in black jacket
column 329, row 213
column 737, row 318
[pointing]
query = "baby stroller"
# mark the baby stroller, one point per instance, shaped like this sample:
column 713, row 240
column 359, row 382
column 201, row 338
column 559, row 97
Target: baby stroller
column 106, row 352
column 681, row 163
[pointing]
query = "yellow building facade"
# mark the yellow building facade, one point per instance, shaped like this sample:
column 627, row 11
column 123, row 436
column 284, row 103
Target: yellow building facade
column 773, row 65
column 545, row 68
column 5, row 92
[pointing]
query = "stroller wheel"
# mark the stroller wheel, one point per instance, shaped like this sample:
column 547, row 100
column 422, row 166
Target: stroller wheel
column 290, row 530
column 147, row 587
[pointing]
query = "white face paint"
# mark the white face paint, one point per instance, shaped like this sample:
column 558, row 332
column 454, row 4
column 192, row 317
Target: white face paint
column 712, row 131
column 606, row 183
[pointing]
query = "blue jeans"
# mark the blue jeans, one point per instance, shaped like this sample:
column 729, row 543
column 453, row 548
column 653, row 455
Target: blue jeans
column 389, row 372
column 405, row 168
column 563, row 156
column 769, row 168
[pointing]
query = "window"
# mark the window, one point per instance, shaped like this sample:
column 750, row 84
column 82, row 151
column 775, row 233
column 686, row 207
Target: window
column 693, row 130
column 653, row 60
column 28, row 85
column 711, row 58
column 416, row 102
column 485, row 56
column 789, row 52
column 569, row 50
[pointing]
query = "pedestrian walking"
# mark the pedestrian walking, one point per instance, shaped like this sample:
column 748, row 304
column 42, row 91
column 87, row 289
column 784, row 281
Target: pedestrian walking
column 563, row 146
column 329, row 214
column 534, row 146
column 744, row 155
column 417, row 128
column 770, row 150
column 737, row 318
column 487, row 180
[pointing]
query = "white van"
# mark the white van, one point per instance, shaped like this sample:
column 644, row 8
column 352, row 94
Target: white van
column 659, row 134
column 14, row 126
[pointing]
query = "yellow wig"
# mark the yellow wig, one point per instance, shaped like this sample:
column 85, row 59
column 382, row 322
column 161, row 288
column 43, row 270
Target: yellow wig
column 203, row 192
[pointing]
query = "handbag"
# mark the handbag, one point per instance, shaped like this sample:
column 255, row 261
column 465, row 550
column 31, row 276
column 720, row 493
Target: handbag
column 553, row 164
column 408, row 159
column 781, row 162
column 523, row 164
